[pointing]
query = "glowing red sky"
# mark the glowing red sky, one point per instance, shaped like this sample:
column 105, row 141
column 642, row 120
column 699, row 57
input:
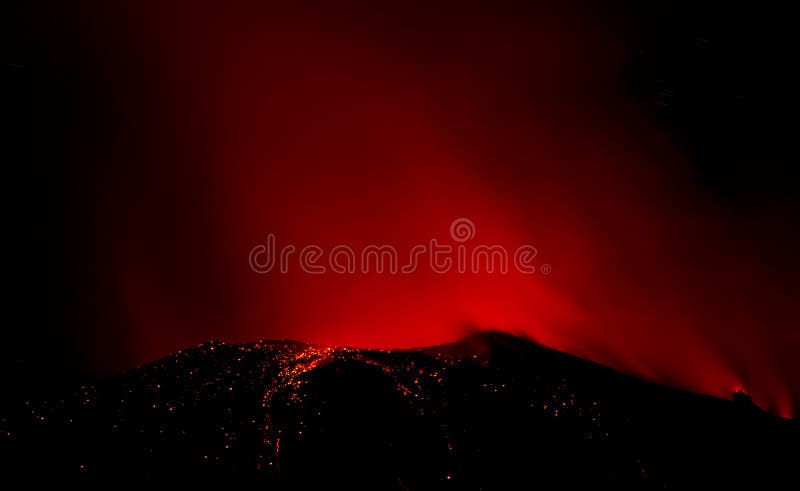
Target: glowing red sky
column 380, row 127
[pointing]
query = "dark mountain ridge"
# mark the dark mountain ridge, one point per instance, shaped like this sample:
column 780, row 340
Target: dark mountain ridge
column 492, row 411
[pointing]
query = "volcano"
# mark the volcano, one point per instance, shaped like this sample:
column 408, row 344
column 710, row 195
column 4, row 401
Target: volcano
column 492, row 411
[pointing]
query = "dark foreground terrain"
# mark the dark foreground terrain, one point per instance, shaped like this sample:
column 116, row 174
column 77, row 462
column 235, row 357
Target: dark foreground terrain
column 490, row 412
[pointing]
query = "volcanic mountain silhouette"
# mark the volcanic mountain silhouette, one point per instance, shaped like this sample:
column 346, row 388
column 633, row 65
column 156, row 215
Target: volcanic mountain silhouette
column 492, row 411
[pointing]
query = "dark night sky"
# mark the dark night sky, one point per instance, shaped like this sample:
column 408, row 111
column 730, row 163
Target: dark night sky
column 646, row 151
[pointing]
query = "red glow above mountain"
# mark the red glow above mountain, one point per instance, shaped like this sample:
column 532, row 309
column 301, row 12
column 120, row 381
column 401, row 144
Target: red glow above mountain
column 381, row 127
